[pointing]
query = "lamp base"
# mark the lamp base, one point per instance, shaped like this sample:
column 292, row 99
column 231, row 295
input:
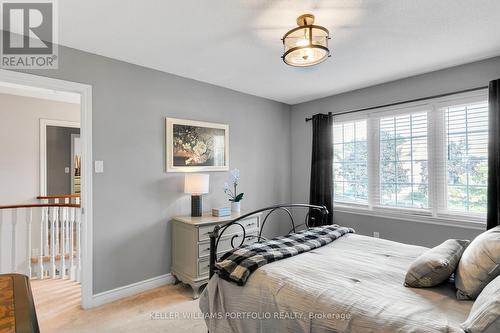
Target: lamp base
column 196, row 209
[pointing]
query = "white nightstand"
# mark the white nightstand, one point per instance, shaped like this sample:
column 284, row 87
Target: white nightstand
column 191, row 245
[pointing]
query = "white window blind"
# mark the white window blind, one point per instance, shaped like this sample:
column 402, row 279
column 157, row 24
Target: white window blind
column 403, row 161
column 428, row 159
column 467, row 157
column 350, row 162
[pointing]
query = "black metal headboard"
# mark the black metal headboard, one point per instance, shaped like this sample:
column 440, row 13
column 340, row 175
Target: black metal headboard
column 218, row 231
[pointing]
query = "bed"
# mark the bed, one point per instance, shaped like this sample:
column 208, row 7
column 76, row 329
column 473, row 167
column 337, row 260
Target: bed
column 354, row 284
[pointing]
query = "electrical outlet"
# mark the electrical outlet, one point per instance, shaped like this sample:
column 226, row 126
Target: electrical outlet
column 376, row 234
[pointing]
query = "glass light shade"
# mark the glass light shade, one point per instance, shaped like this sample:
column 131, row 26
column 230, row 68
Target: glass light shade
column 306, row 46
column 196, row 183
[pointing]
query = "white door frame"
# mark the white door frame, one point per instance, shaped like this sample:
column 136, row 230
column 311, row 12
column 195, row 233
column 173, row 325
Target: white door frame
column 43, row 148
column 85, row 92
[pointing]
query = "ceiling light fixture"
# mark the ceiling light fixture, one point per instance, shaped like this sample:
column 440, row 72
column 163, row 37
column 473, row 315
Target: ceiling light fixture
column 307, row 44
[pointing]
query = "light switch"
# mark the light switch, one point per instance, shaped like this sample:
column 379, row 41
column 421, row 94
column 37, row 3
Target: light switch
column 66, row 170
column 99, row 166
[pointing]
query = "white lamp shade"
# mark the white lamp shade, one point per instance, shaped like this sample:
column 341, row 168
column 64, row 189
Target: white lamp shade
column 196, row 183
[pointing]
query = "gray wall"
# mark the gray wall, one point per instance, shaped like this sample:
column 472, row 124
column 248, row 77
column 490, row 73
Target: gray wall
column 449, row 80
column 59, row 158
column 134, row 199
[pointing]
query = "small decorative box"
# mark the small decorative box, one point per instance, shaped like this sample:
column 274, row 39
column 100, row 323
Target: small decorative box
column 224, row 211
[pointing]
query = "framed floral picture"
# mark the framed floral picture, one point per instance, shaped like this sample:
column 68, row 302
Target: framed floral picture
column 194, row 146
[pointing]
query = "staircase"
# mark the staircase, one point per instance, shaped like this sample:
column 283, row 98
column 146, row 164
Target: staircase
column 46, row 243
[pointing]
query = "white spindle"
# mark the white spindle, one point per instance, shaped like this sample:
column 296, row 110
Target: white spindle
column 14, row 245
column 72, row 244
column 63, row 244
column 43, row 241
column 57, row 229
column 68, row 244
column 29, row 219
column 66, row 240
column 78, row 246
column 53, row 222
column 46, row 244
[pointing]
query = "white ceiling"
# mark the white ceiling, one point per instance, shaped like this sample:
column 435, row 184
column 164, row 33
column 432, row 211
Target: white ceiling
column 35, row 92
column 236, row 43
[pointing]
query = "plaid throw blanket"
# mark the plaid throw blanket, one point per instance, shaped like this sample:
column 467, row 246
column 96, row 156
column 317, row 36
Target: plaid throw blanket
column 237, row 264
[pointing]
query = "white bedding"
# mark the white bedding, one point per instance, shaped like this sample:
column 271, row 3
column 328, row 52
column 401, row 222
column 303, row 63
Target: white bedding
column 354, row 284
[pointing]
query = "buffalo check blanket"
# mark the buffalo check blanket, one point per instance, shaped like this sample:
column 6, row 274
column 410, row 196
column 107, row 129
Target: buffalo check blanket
column 237, row 264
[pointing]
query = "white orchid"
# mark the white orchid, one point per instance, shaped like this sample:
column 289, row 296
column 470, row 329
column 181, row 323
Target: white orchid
column 235, row 174
column 235, row 177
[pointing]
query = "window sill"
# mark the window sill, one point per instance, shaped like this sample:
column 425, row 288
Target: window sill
column 453, row 221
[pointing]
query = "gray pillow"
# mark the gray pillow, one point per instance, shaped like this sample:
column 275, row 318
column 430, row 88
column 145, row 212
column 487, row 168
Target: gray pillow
column 435, row 265
column 484, row 317
column 479, row 264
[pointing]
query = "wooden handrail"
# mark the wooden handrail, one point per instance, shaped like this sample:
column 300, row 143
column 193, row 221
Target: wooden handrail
column 39, row 205
column 65, row 196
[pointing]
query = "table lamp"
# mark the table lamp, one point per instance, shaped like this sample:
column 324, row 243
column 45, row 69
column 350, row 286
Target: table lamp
column 196, row 184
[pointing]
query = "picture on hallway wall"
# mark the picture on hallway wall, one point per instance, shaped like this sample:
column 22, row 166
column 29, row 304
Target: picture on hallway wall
column 194, row 146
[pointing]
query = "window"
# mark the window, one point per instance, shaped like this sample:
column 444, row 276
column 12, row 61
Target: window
column 350, row 162
column 429, row 159
column 403, row 161
column 467, row 157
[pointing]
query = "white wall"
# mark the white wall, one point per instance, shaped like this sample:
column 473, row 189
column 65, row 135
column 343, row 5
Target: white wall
column 19, row 143
column 19, row 167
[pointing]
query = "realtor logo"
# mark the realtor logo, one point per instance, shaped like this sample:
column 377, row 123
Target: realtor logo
column 29, row 34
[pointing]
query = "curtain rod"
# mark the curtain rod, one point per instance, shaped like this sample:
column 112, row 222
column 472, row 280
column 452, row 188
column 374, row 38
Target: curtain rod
column 404, row 102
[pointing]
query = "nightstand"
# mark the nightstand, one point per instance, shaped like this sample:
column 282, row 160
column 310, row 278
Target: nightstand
column 191, row 245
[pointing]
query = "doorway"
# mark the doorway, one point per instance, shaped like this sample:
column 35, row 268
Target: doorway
column 60, row 157
column 40, row 84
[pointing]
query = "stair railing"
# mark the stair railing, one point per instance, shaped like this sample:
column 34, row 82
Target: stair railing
column 60, row 238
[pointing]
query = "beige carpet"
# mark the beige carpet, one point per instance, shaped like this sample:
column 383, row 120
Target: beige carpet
column 58, row 308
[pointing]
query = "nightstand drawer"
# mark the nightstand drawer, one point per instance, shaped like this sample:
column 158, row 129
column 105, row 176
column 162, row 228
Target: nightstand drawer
column 225, row 243
column 250, row 223
column 191, row 244
column 203, row 267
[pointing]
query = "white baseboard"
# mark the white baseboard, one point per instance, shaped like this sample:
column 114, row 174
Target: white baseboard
column 131, row 289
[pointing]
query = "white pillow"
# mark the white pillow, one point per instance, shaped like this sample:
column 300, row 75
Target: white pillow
column 480, row 263
column 484, row 316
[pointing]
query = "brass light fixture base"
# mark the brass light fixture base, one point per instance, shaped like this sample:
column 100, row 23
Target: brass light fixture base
column 305, row 19
column 306, row 44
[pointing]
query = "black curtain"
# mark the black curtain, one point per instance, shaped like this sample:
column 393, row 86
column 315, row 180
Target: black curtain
column 321, row 188
column 493, row 218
